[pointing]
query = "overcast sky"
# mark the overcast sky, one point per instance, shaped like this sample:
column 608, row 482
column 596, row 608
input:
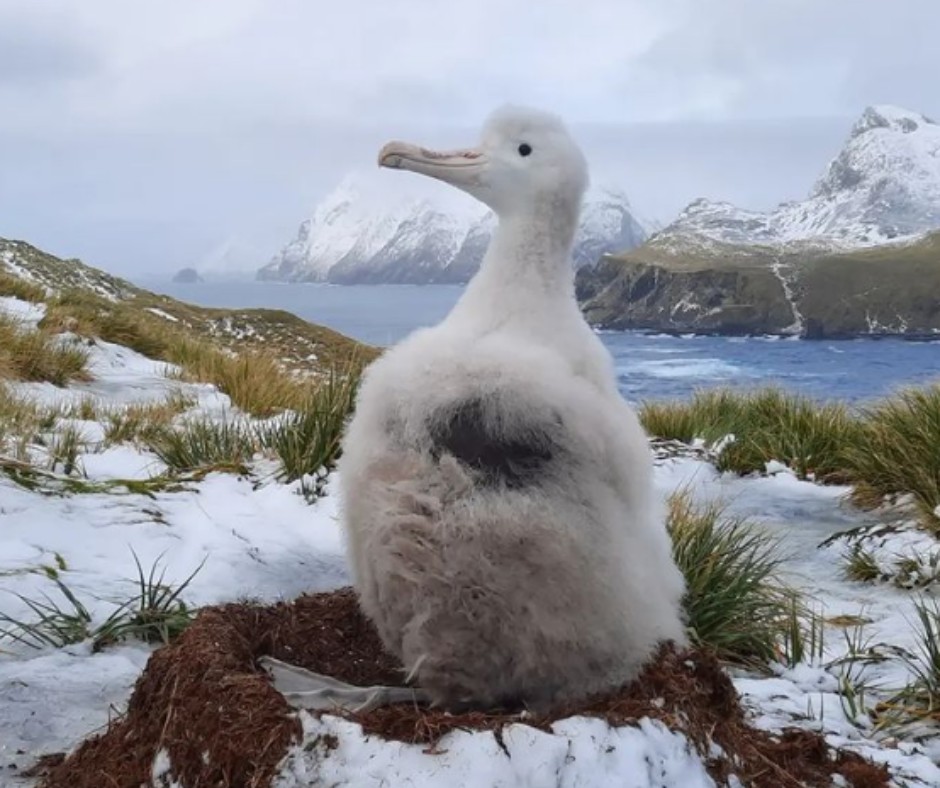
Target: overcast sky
column 143, row 136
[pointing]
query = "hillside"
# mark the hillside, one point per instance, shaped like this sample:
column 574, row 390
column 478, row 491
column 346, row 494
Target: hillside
column 85, row 295
column 732, row 289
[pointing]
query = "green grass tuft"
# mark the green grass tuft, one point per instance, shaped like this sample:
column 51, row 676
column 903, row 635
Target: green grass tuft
column 256, row 383
column 64, row 449
column 140, row 423
column 768, row 424
column 57, row 623
column 19, row 421
column 306, row 441
column 156, row 613
column 861, row 565
column 898, row 453
column 919, row 701
column 734, row 600
column 807, row 437
column 708, row 416
column 885, row 452
column 205, row 444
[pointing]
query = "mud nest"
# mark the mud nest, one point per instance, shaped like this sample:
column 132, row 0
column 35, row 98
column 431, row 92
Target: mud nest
column 204, row 701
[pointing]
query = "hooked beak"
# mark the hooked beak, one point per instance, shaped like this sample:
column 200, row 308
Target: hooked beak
column 460, row 168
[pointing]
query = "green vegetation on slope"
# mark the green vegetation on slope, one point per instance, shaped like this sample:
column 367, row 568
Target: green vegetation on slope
column 89, row 301
column 884, row 290
column 265, row 360
column 734, row 601
column 692, row 284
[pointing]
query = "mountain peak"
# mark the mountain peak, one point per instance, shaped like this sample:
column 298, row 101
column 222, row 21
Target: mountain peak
column 888, row 116
column 884, row 185
column 374, row 229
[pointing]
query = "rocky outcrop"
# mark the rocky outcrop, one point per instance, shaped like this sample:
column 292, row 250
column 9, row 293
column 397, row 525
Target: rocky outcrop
column 187, row 276
column 816, row 294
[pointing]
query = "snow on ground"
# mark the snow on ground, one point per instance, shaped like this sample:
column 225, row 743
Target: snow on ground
column 579, row 752
column 26, row 312
column 52, row 700
column 121, row 376
column 802, row 516
column 260, row 539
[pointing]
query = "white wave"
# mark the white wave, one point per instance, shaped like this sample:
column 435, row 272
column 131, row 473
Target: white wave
column 706, row 368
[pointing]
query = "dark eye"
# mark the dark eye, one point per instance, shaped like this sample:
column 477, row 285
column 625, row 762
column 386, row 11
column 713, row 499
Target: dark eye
column 525, row 149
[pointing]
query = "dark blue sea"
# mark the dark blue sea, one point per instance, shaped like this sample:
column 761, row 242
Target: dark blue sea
column 649, row 367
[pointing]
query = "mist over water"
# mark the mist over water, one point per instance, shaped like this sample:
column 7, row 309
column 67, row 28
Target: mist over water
column 648, row 366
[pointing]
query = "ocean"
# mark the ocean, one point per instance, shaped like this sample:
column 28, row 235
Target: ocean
column 648, row 366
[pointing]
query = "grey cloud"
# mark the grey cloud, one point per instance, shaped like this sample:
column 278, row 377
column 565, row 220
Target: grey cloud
column 37, row 54
column 734, row 58
column 145, row 135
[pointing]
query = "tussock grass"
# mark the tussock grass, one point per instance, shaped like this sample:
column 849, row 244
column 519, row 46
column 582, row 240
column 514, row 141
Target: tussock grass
column 708, row 416
column 917, row 571
column 255, row 383
column 768, row 424
column 57, row 622
column 735, row 602
column 86, row 409
column 807, row 437
column 898, row 453
column 89, row 315
column 804, row 636
column 18, row 417
column 306, row 441
column 140, row 423
column 64, row 449
column 256, row 378
column 919, row 701
column 23, row 289
column 861, row 565
column 28, row 354
column 205, row 444
column 886, row 451
column 155, row 613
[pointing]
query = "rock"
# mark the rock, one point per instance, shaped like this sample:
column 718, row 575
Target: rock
column 735, row 290
column 187, row 276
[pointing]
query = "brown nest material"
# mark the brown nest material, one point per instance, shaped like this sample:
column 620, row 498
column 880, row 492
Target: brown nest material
column 204, row 701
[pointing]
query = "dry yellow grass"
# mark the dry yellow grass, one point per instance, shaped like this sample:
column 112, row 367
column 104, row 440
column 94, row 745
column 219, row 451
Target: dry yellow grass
column 255, row 383
column 21, row 288
column 260, row 358
column 142, row 421
column 29, row 354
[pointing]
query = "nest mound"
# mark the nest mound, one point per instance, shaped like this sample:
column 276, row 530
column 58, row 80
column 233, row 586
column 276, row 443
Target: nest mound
column 204, row 702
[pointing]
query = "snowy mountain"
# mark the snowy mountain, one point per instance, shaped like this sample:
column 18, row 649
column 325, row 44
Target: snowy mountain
column 883, row 186
column 857, row 257
column 360, row 234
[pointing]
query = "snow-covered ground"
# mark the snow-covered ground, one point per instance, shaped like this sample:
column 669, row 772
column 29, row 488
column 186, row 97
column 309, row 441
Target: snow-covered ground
column 260, row 539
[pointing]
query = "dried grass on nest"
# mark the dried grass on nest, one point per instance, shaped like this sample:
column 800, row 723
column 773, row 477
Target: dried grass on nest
column 205, row 694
